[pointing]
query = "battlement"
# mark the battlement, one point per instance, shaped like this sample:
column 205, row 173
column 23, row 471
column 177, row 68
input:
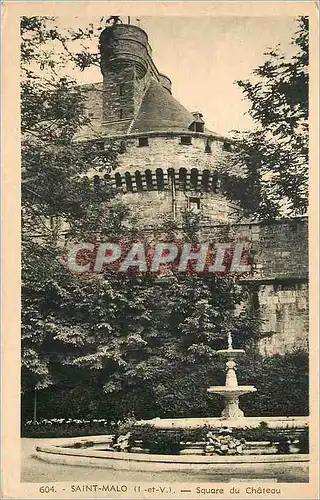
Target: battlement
column 162, row 180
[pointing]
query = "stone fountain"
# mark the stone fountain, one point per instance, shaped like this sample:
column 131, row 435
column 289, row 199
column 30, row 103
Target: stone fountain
column 231, row 391
column 256, row 459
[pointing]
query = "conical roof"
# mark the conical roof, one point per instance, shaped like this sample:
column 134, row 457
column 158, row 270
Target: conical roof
column 160, row 111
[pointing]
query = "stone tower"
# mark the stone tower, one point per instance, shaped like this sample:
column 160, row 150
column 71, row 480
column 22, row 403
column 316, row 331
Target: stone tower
column 168, row 159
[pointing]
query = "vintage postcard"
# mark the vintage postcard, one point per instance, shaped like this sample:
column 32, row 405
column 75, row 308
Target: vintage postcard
column 160, row 250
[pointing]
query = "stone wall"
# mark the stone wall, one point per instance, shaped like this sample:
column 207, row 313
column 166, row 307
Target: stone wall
column 167, row 152
column 151, row 207
column 280, row 278
column 122, row 93
column 279, row 248
column 280, row 256
column 93, row 98
column 284, row 309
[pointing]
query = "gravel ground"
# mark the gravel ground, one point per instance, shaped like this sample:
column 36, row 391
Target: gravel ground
column 38, row 471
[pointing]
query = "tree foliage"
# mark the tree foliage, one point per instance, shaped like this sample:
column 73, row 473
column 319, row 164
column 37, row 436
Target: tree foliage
column 56, row 195
column 274, row 156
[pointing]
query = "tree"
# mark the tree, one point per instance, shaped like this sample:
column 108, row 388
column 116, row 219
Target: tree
column 274, row 156
column 57, row 198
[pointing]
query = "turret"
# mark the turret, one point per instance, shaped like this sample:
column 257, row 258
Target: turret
column 124, row 45
column 165, row 82
column 124, row 66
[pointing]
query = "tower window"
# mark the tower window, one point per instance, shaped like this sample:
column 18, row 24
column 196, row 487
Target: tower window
column 227, row 147
column 199, row 127
column 185, row 140
column 121, row 89
column 96, row 181
column 121, row 113
column 143, row 141
column 194, row 202
column 208, row 148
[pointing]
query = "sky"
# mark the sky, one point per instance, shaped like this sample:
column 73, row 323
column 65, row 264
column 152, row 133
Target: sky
column 204, row 56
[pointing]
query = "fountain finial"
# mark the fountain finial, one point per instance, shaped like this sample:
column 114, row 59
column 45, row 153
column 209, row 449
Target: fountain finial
column 229, row 340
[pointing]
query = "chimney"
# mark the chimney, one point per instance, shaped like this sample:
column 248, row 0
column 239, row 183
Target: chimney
column 198, row 124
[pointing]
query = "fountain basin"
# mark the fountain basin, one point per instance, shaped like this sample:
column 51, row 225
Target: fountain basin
column 295, row 467
column 217, row 422
column 231, row 392
column 231, row 353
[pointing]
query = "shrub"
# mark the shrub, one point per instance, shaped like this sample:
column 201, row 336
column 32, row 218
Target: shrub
column 282, row 382
column 215, row 440
column 157, row 441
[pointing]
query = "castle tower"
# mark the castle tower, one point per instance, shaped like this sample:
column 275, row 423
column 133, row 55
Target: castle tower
column 124, row 66
column 169, row 161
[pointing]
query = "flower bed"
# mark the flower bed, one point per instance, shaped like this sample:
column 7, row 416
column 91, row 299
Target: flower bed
column 223, row 443
column 60, row 427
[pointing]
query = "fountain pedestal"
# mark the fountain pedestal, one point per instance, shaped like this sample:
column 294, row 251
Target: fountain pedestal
column 231, row 391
